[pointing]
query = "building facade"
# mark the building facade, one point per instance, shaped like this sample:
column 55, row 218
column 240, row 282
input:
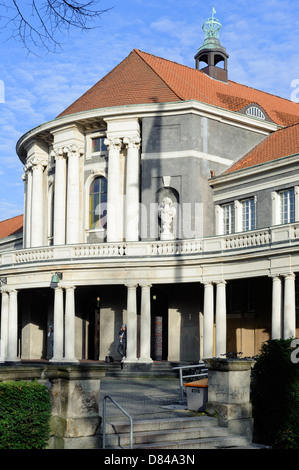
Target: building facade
column 165, row 198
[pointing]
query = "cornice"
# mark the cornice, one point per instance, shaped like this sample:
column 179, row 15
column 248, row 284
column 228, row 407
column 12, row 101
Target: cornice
column 96, row 117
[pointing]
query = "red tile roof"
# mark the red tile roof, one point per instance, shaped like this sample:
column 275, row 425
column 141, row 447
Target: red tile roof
column 11, row 226
column 145, row 78
column 282, row 143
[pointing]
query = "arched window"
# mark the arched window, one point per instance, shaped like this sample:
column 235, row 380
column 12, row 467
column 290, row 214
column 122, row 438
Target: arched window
column 98, row 203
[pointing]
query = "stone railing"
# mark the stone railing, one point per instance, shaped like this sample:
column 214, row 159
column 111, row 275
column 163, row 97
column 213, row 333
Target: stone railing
column 278, row 236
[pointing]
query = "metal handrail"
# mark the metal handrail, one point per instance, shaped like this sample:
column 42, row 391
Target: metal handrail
column 104, row 421
column 199, row 365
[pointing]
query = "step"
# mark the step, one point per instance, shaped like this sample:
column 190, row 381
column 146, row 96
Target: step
column 200, row 432
column 221, row 442
column 170, row 435
column 160, row 424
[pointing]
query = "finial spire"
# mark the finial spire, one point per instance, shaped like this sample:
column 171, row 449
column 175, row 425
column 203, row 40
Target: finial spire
column 212, row 26
column 212, row 52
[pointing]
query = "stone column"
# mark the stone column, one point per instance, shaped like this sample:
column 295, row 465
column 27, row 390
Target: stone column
column 208, row 320
column 276, row 308
column 58, row 325
column 37, row 203
column 131, row 355
column 145, row 330
column 221, row 319
column 289, row 326
column 4, row 324
column 229, row 394
column 73, row 199
column 28, row 212
column 113, row 194
column 132, row 188
column 69, row 324
column 27, row 178
column 60, row 197
column 12, row 344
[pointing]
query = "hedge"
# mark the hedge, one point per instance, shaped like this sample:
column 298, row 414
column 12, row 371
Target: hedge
column 275, row 396
column 25, row 411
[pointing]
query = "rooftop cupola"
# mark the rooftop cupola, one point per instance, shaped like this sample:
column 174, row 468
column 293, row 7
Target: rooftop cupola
column 212, row 52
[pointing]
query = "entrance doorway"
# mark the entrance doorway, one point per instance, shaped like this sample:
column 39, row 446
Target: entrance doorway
column 159, row 325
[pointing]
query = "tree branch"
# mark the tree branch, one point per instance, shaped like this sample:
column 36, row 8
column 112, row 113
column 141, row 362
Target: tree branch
column 40, row 27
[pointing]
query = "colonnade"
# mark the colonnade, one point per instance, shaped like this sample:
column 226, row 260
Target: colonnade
column 66, row 225
column 283, row 319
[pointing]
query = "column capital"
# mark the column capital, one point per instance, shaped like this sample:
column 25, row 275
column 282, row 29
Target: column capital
column 145, row 285
column 59, row 153
column 131, row 285
column 113, row 143
column 289, row 275
column 4, row 290
column 132, row 142
column 220, row 281
column 68, row 287
column 73, row 150
column 38, row 164
column 58, row 288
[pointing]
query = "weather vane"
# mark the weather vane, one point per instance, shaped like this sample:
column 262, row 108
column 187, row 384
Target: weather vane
column 212, row 26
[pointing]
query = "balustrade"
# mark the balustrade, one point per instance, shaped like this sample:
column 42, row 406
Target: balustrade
column 282, row 235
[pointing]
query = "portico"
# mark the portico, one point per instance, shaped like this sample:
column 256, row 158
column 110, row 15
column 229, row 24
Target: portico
column 204, row 312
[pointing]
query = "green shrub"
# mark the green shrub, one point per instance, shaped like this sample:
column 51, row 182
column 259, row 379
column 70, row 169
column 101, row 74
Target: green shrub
column 275, row 396
column 25, row 411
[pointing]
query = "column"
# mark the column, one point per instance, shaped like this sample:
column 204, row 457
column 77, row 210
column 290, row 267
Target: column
column 276, row 307
column 289, row 326
column 27, row 215
column 59, row 197
column 131, row 324
column 73, row 191
column 58, row 325
column 12, row 344
column 113, row 190
column 208, row 320
column 221, row 319
column 37, row 204
column 4, row 325
column 145, row 330
column 69, row 324
column 132, row 189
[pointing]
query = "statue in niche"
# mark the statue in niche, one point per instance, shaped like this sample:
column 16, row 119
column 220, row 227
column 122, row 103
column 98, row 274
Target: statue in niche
column 166, row 212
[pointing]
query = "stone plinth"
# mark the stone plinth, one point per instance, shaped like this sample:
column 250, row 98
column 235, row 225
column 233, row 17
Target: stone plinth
column 75, row 394
column 229, row 393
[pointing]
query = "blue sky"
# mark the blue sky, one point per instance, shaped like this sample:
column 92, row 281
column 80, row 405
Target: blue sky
column 260, row 38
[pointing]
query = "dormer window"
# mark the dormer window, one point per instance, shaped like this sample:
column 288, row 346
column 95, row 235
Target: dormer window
column 255, row 112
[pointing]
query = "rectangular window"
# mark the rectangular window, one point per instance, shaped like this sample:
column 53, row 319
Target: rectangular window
column 98, row 145
column 228, row 218
column 248, row 214
column 287, row 206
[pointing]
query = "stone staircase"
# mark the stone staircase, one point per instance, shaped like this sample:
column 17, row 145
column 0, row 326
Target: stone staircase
column 200, row 432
